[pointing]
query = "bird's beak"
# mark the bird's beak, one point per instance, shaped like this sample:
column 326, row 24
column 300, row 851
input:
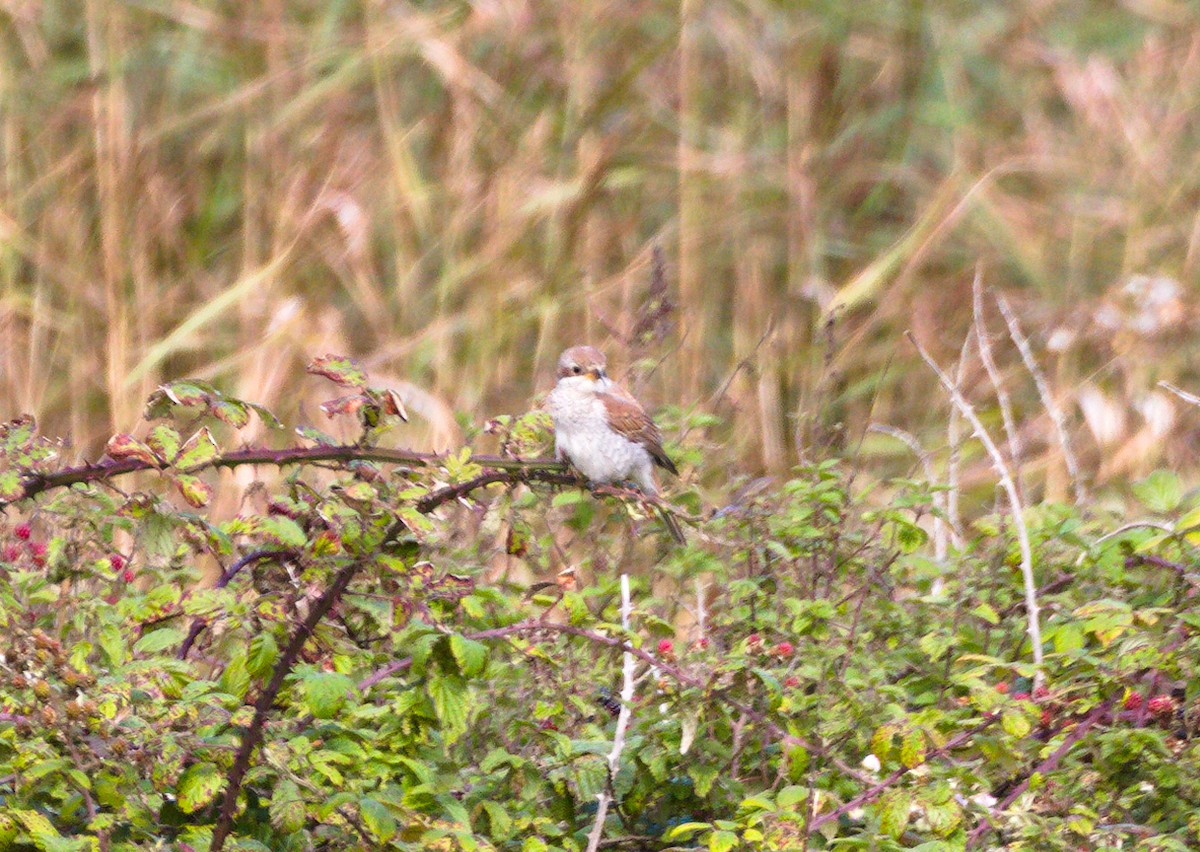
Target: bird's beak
column 596, row 375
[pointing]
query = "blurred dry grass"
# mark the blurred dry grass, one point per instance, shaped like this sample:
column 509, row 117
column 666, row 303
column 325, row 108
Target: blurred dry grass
column 453, row 191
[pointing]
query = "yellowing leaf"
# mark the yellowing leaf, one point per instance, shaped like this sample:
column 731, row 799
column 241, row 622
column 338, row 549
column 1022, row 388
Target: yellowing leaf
column 193, row 489
column 122, row 446
column 199, row 450
column 339, row 369
column 198, row 786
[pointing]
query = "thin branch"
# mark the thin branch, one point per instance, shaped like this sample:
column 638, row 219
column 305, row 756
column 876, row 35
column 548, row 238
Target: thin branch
column 224, row 580
column 35, row 483
column 989, row 365
column 1014, row 499
column 1043, row 388
column 493, row 477
column 266, row 698
column 1042, row 768
column 877, row 789
column 614, row 756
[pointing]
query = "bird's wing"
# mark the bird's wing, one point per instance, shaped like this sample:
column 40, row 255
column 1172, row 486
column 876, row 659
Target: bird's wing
column 627, row 418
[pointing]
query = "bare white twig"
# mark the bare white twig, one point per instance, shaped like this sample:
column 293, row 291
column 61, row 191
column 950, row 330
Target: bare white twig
column 1043, row 389
column 1181, row 393
column 952, row 438
column 614, row 756
column 1014, row 499
column 989, row 365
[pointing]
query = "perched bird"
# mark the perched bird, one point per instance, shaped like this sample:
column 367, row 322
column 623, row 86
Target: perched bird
column 602, row 430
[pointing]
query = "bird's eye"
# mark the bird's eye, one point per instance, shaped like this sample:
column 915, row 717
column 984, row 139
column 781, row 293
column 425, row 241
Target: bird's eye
column 577, row 369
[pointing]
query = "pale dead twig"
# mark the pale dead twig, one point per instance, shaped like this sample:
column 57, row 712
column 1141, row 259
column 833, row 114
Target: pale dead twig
column 952, row 438
column 1014, row 499
column 1043, row 389
column 1181, row 393
column 614, row 756
column 989, row 365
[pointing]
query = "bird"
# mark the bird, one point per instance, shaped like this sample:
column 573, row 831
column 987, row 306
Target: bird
column 602, row 430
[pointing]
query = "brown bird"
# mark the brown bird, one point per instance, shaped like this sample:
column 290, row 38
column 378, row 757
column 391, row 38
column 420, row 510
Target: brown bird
column 601, row 429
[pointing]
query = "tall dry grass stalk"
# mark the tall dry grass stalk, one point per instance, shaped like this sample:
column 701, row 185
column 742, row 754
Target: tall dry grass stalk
column 455, row 191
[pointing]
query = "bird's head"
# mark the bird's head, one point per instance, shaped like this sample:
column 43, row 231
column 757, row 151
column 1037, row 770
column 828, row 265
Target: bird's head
column 583, row 367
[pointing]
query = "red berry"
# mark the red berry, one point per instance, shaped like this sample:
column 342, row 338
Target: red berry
column 702, row 642
column 1002, row 687
column 22, row 532
column 1161, row 705
column 117, row 561
column 1021, row 696
column 128, row 576
column 665, row 647
column 38, row 550
column 1133, row 701
column 784, row 649
column 753, row 641
column 1041, row 691
column 1047, row 718
column 12, row 553
column 792, row 681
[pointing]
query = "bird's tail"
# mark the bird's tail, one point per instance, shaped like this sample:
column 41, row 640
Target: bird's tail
column 672, row 525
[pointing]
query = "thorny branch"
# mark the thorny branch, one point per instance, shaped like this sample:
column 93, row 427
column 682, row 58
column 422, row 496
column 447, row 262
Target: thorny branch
column 266, row 698
column 34, row 483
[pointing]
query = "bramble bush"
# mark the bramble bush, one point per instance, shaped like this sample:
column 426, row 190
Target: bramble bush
column 808, row 673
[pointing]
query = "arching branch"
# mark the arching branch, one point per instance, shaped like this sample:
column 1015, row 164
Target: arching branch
column 33, row 484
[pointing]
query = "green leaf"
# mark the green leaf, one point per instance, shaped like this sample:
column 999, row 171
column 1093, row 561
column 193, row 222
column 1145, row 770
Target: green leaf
column 470, row 655
column 1015, row 723
column 893, row 808
column 499, row 822
column 702, row 777
column 326, row 692
column 230, row 411
column 1190, row 520
column 685, row 830
column 17, row 435
column 193, row 489
column 264, row 651
column 198, row 786
column 450, row 702
column 10, row 485
column 1161, row 491
column 235, row 680
column 199, row 450
column 112, row 643
column 165, row 442
column 987, row 613
column 791, row 796
column 378, row 820
column 912, row 748
column 287, row 808
column 881, row 741
column 159, row 640
column 339, row 369
column 283, row 530
column 722, row 841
